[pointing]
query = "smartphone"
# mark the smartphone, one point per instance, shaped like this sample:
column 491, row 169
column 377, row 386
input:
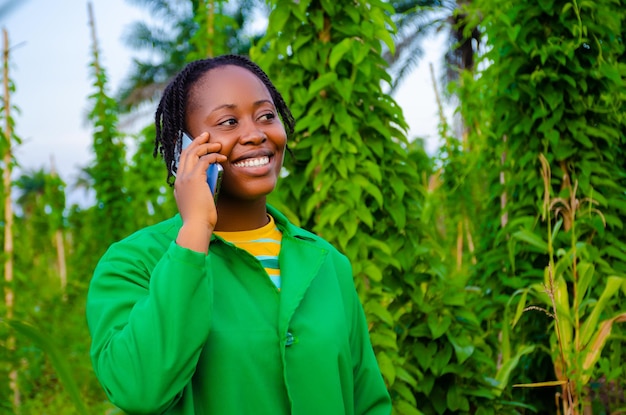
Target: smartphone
column 213, row 173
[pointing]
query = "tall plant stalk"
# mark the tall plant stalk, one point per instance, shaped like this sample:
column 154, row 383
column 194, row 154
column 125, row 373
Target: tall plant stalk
column 9, row 294
column 108, row 169
column 60, row 243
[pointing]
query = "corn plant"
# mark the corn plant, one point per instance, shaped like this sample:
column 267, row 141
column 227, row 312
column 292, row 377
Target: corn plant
column 582, row 319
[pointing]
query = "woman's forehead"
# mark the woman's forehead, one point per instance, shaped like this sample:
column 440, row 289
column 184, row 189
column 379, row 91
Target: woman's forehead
column 224, row 83
column 229, row 75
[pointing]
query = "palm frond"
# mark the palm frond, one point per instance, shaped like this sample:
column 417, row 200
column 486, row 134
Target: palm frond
column 162, row 8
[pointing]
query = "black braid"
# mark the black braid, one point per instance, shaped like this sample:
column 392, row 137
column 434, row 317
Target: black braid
column 170, row 114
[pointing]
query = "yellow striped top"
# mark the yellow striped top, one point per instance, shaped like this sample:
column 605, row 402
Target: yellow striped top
column 262, row 243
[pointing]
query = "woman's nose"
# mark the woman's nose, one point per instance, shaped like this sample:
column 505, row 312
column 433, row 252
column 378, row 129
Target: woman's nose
column 252, row 134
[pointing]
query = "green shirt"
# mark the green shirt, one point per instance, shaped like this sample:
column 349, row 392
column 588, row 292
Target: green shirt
column 178, row 332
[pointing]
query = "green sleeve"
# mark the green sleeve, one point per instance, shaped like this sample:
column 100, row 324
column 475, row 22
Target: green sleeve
column 371, row 396
column 370, row 393
column 148, row 313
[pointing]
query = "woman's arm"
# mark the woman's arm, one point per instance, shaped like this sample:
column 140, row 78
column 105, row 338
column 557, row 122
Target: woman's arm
column 371, row 396
column 148, row 326
column 370, row 393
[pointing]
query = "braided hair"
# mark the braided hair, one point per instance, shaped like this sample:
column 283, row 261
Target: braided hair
column 169, row 118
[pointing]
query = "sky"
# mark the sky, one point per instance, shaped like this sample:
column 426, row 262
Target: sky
column 50, row 50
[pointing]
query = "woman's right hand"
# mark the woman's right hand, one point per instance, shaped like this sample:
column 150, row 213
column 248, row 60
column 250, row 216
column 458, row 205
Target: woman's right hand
column 193, row 196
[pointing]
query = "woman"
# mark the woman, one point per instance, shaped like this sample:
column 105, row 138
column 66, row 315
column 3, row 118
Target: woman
column 227, row 308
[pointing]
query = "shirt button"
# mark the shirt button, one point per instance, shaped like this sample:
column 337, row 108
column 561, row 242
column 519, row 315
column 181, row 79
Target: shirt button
column 289, row 339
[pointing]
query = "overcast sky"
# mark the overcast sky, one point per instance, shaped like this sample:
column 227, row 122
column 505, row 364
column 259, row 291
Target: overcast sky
column 50, row 54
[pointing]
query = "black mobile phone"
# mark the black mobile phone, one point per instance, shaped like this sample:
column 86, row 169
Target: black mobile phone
column 213, row 173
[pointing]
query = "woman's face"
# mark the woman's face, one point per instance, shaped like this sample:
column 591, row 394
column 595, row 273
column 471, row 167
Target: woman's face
column 237, row 110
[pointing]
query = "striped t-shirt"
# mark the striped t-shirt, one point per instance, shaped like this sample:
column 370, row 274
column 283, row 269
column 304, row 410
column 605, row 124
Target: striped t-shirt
column 262, row 243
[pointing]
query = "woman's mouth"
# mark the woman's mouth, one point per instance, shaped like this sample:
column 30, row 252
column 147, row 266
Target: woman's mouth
column 253, row 162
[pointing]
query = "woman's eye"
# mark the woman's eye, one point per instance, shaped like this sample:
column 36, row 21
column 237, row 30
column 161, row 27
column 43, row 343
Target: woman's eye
column 268, row 116
column 230, row 121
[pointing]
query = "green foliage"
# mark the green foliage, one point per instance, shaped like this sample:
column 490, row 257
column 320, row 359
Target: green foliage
column 41, row 198
column 52, row 353
column 447, row 251
column 150, row 197
column 60, row 364
column 553, row 83
column 566, row 295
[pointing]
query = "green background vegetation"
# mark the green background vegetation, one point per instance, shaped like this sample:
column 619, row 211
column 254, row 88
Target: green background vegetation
column 493, row 273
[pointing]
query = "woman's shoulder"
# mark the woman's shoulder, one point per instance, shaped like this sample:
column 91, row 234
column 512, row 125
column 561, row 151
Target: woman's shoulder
column 153, row 237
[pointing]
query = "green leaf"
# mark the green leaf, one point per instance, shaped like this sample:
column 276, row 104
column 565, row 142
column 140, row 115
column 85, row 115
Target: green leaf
column 615, row 253
column 585, row 275
column 438, row 324
column 405, row 392
column 384, row 338
column 398, row 214
column 521, row 305
column 344, row 89
column 398, row 186
column 508, row 366
column 369, row 187
column 531, row 238
column 277, row 19
column 339, row 51
column 424, row 354
column 344, row 120
column 365, row 215
column 322, row 82
column 454, row 298
column 360, row 51
column 308, row 59
column 594, row 349
column 455, row 400
column 406, row 408
column 441, row 360
column 373, row 272
column 463, row 349
column 405, row 376
column 588, row 328
column 387, row 367
column 427, row 383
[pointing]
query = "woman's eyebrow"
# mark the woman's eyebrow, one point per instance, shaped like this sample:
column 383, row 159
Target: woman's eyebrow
column 263, row 101
column 234, row 106
column 226, row 106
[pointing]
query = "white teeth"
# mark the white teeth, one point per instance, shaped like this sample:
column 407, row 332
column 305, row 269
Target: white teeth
column 261, row 161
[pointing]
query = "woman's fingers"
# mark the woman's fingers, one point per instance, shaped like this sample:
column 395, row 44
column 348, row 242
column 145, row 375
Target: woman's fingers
column 207, row 148
column 193, row 196
column 195, row 159
column 213, row 158
column 199, row 151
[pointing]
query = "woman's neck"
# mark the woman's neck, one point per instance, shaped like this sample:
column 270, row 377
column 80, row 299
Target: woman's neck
column 238, row 215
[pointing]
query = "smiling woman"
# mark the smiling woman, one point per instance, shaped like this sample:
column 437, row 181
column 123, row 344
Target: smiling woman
column 239, row 115
column 229, row 308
